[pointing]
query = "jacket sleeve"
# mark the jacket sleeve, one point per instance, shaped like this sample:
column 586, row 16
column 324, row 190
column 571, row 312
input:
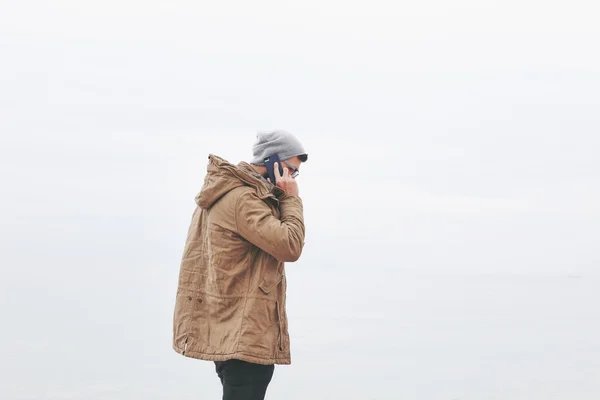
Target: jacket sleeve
column 283, row 239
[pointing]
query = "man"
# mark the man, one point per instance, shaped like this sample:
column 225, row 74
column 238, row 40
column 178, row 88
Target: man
column 231, row 299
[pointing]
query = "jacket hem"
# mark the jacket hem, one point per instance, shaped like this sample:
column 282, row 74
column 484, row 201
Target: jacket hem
column 239, row 355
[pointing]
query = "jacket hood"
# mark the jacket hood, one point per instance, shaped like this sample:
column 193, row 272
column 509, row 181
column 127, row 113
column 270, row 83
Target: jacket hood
column 222, row 177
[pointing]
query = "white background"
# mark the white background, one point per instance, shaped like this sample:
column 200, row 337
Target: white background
column 452, row 193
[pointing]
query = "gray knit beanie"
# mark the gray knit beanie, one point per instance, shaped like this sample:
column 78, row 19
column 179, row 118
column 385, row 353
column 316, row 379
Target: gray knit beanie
column 276, row 142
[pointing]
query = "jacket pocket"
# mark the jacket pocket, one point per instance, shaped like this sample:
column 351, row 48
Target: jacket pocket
column 268, row 287
column 269, row 283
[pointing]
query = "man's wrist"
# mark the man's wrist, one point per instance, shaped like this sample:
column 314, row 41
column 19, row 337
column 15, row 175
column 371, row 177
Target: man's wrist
column 288, row 195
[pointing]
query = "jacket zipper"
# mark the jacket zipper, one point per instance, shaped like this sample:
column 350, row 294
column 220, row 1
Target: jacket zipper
column 280, row 326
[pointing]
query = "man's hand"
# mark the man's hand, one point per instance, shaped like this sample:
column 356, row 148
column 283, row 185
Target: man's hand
column 285, row 181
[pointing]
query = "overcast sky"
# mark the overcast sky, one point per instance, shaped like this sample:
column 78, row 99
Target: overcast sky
column 444, row 136
column 463, row 133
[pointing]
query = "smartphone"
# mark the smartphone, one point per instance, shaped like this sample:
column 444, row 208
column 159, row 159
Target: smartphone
column 270, row 164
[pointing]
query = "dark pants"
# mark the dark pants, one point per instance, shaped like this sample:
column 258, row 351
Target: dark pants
column 244, row 381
